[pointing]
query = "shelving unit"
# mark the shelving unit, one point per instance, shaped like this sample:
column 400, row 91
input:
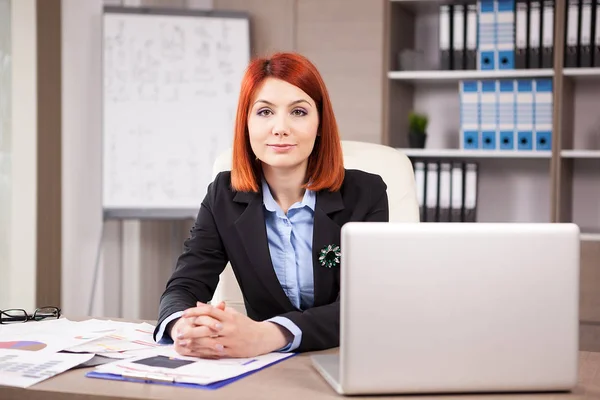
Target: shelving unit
column 581, row 154
column 514, row 186
column 563, row 177
column 456, row 76
column 474, row 154
column 582, row 73
column 562, row 185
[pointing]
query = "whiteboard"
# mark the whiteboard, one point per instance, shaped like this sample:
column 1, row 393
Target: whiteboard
column 171, row 82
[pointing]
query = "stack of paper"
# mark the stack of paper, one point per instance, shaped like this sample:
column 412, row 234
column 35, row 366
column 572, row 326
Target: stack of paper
column 165, row 366
column 119, row 339
column 29, row 352
column 25, row 368
column 34, row 351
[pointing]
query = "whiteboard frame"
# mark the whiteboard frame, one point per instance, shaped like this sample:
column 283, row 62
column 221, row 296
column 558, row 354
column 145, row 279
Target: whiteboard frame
column 155, row 213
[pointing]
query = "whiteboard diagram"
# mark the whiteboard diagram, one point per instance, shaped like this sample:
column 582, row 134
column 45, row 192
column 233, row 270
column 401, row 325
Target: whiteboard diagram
column 171, row 87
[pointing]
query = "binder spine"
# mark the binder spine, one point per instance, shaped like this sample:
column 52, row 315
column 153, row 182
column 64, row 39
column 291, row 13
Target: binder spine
column 419, row 168
column 548, row 34
column 445, row 55
column 594, row 35
column 524, row 114
column 506, row 114
column 585, row 34
column 489, row 117
column 487, row 55
column 469, row 114
column 543, row 114
column 457, row 190
column 432, row 194
column 445, row 192
column 505, row 34
column 572, row 34
column 535, row 34
column 521, row 37
column 471, row 186
column 471, row 36
column 458, row 37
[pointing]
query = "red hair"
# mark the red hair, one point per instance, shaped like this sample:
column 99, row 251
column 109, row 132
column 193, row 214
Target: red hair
column 325, row 164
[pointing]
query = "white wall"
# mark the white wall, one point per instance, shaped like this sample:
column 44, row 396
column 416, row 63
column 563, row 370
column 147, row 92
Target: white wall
column 81, row 172
column 123, row 275
column 18, row 276
column 5, row 147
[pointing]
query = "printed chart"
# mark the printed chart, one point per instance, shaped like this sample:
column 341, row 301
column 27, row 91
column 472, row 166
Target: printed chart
column 23, row 345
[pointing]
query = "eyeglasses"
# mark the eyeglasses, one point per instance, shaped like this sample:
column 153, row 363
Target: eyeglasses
column 17, row 315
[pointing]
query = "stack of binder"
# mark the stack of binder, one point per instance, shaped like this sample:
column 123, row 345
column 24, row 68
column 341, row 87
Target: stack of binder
column 509, row 34
column 446, row 191
column 458, row 36
column 506, row 114
column 582, row 41
column 534, row 41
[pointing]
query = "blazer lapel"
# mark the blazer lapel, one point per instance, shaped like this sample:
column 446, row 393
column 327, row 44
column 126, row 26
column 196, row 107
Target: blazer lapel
column 325, row 232
column 253, row 234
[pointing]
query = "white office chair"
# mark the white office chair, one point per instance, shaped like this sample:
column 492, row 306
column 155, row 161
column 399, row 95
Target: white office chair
column 392, row 165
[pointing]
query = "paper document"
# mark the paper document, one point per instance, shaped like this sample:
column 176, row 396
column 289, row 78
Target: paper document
column 127, row 338
column 23, row 368
column 43, row 337
column 90, row 336
column 166, row 365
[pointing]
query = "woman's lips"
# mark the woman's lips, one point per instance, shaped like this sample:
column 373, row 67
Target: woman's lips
column 281, row 148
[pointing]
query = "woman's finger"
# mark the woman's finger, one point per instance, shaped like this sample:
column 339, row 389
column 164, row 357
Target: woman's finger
column 200, row 332
column 203, row 309
column 200, row 348
column 207, row 345
column 209, row 322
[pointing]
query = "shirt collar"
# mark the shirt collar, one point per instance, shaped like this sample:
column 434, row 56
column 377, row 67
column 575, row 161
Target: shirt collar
column 309, row 199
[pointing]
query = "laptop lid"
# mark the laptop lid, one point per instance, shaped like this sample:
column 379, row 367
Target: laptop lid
column 458, row 307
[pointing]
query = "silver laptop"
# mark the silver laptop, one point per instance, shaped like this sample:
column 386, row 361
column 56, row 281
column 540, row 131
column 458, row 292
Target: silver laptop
column 456, row 307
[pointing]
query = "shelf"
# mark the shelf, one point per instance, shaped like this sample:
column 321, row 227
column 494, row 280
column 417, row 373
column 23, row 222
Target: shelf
column 594, row 154
column 420, row 6
column 582, row 73
column 458, row 153
column 455, row 76
column 589, row 236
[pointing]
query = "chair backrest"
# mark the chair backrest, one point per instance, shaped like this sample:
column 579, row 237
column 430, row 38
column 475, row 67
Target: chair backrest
column 392, row 165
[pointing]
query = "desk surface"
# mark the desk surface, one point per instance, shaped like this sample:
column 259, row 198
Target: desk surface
column 291, row 379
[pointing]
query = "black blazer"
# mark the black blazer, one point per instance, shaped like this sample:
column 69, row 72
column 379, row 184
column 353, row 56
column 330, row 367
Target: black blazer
column 231, row 227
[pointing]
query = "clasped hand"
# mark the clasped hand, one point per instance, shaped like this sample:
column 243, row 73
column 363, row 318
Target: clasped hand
column 215, row 332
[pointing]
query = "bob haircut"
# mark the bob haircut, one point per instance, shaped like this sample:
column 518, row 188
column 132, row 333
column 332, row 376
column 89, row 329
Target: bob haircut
column 325, row 164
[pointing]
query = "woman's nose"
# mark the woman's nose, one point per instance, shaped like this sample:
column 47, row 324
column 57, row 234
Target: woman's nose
column 281, row 132
column 281, row 128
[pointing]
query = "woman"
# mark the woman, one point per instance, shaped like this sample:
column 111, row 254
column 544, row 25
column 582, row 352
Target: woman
column 281, row 206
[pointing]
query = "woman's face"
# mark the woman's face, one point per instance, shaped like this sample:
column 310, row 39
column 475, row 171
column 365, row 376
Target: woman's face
column 283, row 123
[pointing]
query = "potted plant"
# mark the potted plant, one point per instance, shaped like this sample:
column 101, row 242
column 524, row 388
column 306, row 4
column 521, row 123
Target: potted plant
column 417, row 134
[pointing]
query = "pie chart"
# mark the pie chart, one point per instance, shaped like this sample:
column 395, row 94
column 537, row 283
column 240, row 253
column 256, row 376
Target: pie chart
column 23, row 345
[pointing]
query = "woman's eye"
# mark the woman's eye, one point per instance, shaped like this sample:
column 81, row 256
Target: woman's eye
column 298, row 112
column 264, row 112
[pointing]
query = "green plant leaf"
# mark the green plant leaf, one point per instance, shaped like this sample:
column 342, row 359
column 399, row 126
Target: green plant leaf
column 418, row 122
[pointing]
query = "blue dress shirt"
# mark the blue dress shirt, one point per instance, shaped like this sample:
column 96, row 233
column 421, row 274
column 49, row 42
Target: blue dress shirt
column 290, row 245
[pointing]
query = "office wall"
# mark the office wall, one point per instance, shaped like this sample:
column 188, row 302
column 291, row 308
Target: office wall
column 272, row 24
column 18, row 280
column 81, row 150
column 132, row 259
column 5, row 147
column 345, row 40
column 137, row 257
column 49, row 162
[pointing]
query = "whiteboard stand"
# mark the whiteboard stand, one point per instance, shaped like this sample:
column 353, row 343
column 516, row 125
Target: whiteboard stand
column 171, row 83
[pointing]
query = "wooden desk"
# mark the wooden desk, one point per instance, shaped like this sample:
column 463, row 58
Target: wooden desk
column 292, row 379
